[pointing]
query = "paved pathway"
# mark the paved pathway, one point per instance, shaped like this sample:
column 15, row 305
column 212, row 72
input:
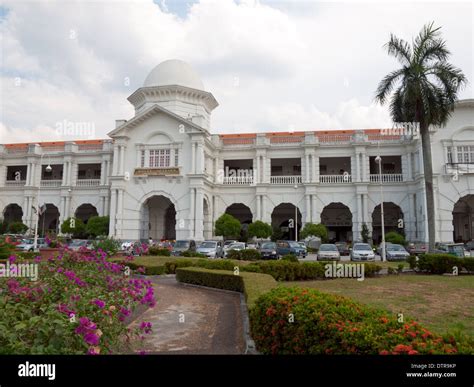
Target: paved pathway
column 192, row 320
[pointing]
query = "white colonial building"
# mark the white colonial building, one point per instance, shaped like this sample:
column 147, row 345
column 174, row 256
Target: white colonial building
column 163, row 174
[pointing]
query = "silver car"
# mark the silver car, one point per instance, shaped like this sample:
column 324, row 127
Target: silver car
column 234, row 246
column 395, row 252
column 362, row 252
column 212, row 249
column 328, row 251
column 28, row 244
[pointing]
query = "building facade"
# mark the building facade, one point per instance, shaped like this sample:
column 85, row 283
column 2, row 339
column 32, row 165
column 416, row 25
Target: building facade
column 163, row 174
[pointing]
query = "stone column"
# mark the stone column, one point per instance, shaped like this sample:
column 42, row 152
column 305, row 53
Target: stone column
column 357, row 159
column 307, row 177
column 199, row 223
column 192, row 212
column 113, row 211
column 308, row 208
column 193, row 157
column 115, row 160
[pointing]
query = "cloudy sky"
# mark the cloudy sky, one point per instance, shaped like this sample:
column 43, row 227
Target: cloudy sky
column 272, row 65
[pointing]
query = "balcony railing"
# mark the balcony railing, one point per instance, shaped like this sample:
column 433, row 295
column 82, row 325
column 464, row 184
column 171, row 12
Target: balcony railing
column 387, row 178
column 295, row 179
column 335, row 179
column 238, row 141
column 237, row 180
column 87, row 182
column 459, row 168
column 277, row 140
column 334, row 138
column 15, row 183
column 89, row 147
column 51, row 183
column 53, row 148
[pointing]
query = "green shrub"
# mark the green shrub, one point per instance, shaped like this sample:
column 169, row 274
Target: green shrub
column 109, row 245
column 438, row 263
column 212, row 278
column 412, row 261
column 250, row 255
column 332, row 324
column 6, row 250
column 294, row 271
column 159, row 251
column 171, row 266
column 468, row 264
column 290, row 258
column 259, row 229
column 97, row 226
column 234, row 254
column 316, row 230
column 395, row 237
column 253, row 284
column 74, row 226
column 17, row 227
column 192, row 254
column 215, row 264
column 147, row 269
column 227, row 226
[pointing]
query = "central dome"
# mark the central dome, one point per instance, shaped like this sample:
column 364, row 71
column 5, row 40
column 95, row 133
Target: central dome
column 174, row 72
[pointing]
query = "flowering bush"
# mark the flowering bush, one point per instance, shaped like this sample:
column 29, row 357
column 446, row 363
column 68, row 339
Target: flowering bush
column 306, row 321
column 78, row 305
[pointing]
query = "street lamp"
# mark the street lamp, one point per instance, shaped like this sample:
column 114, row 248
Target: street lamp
column 296, row 218
column 378, row 160
column 48, row 169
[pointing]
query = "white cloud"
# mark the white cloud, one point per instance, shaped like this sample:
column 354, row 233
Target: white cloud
column 271, row 66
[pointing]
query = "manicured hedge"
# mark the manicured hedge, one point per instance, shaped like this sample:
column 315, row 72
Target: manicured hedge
column 147, row 269
column 440, row 263
column 295, row 271
column 306, row 321
column 159, row 251
column 290, row 258
column 244, row 255
column 251, row 284
column 192, row 254
column 216, row 264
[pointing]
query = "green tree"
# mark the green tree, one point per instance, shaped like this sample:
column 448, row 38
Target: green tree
column 17, row 227
column 395, row 237
column 276, row 234
column 74, row 226
column 365, row 234
column 317, row 230
column 227, row 226
column 259, row 229
column 426, row 91
column 97, row 225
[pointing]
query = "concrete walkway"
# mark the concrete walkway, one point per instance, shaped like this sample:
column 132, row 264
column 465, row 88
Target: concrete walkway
column 192, row 320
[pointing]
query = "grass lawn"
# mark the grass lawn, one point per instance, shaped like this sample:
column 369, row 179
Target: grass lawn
column 442, row 303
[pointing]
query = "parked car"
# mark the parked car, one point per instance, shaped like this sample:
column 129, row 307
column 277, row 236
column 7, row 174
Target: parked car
column 28, row 244
column 183, row 245
column 212, row 249
column 394, row 252
column 343, row 248
column 234, row 246
column 417, row 248
column 290, row 247
column 78, row 244
column 378, row 250
column 470, row 245
column 362, row 252
column 227, row 243
column 252, row 246
column 303, row 245
column 456, row 249
column 328, row 251
column 268, row 250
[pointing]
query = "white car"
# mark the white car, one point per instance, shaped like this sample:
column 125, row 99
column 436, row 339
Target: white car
column 212, row 249
column 29, row 244
column 328, row 251
column 234, row 246
column 227, row 243
column 362, row 252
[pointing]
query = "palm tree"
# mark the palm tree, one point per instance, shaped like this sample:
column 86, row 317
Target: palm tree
column 426, row 91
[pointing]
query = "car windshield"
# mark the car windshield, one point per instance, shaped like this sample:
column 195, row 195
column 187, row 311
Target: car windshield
column 295, row 244
column 78, row 243
column 228, row 243
column 361, row 247
column 181, row 244
column 27, row 241
column 327, row 248
column 236, row 246
column 269, row 246
column 396, row 248
column 208, row 245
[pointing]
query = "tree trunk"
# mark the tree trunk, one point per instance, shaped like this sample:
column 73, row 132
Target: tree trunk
column 428, row 172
